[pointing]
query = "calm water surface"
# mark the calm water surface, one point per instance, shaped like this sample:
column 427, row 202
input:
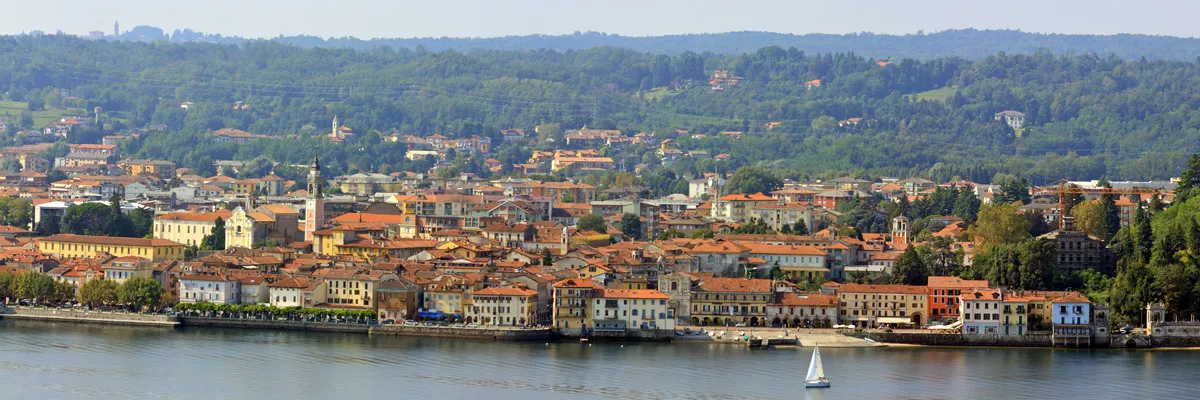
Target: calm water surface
column 41, row 360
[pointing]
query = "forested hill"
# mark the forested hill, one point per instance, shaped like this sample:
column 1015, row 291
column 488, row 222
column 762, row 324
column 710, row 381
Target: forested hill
column 1087, row 116
column 968, row 43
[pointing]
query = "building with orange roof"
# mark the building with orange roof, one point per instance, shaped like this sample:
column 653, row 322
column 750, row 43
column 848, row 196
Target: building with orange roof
column 631, row 309
column 738, row 207
column 299, row 291
column 980, row 309
column 188, row 228
column 777, row 215
column 803, row 310
column 503, row 306
column 572, row 300
column 944, row 292
column 869, row 306
column 795, row 262
column 730, row 301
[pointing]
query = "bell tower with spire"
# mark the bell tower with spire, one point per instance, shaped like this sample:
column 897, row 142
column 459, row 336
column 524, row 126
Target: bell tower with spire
column 314, row 206
column 336, row 133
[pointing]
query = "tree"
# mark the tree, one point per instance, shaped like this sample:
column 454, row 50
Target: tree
column 800, row 228
column 1189, row 179
column 119, row 224
column 140, row 292
column 592, row 223
column 142, row 221
column 215, row 240
column 1089, row 218
column 631, row 226
column 7, row 285
column 63, row 292
column 32, row 285
column 86, row 219
column 15, row 211
column 547, row 257
column 702, row 233
column 750, row 180
column 909, row 269
column 1000, row 224
column 1013, row 189
column 98, row 292
column 824, row 124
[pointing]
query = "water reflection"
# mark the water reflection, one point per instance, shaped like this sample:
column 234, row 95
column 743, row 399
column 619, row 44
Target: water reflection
column 55, row 360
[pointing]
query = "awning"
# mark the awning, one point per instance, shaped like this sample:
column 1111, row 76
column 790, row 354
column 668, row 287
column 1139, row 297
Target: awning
column 893, row 320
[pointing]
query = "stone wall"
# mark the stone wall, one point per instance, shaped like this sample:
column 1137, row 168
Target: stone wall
column 85, row 316
column 952, row 339
column 274, row 324
column 486, row 333
column 634, row 335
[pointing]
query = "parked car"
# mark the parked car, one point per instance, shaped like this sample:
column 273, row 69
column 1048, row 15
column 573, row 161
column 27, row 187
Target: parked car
column 412, row 323
column 387, row 322
column 741, row 325
column 472, row 325
column 459, row 325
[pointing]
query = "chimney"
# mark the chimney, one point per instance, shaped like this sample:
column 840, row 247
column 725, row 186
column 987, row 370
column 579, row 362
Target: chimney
column 1068, row 223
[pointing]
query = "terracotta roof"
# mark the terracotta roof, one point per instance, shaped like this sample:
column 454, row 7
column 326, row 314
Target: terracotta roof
column 108, row 240
column 737, row 285
column 955, row 282
column 747, row 197
column 279, row 209
column 813, row 300
column 505, row 291
column 577, row 283
column 902, row 289
column 763, row 248
column 630, row 294
column 193, row 216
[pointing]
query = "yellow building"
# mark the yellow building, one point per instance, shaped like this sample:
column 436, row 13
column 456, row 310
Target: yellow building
column 188, row 228
column 164, row 169
column 352, row 287
column 80, row 246
column 1014, row 315
column 869, row 306
column 245, row 229
column 731, row 301
column 571, row 300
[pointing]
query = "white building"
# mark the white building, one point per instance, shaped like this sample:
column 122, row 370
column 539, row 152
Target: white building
column 631, row 309
column 804, row 310
column 503, row 306
column 980, row 311
column 296, row 292
column 216, row 289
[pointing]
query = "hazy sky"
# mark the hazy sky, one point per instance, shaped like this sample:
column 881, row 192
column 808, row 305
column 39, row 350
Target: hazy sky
column 485, row 18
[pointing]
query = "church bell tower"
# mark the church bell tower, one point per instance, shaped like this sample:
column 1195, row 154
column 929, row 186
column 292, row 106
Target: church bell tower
column 314, row 206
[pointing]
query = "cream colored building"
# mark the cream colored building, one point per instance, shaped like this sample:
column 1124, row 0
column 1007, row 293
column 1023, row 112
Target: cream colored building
column 188, row 228
column 631, row 309
column 503, row 306
column 869, row 306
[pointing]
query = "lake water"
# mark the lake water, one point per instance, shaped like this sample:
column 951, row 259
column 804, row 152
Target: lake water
column 40, row 360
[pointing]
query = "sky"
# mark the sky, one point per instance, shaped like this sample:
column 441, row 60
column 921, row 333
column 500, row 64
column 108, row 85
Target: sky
column 490, row 18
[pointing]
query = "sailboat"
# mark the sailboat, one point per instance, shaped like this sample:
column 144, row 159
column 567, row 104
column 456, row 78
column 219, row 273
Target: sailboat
column 816, row 373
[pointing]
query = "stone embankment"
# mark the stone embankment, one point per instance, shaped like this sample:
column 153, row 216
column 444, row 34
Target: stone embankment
column 481, row 332
column 954, row 339
column 285, row 325
column 88, row 316
column 806, row 337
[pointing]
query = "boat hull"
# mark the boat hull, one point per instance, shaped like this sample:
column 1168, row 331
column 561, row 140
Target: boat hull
column 819, row 384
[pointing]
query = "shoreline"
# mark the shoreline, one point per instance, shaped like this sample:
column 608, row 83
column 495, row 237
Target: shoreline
column 803, row 338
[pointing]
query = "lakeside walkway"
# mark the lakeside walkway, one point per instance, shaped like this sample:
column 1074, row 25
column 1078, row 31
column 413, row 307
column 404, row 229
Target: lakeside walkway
column 88, row 316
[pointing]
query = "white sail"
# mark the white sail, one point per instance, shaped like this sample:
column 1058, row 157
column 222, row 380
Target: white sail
column 815, row 371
